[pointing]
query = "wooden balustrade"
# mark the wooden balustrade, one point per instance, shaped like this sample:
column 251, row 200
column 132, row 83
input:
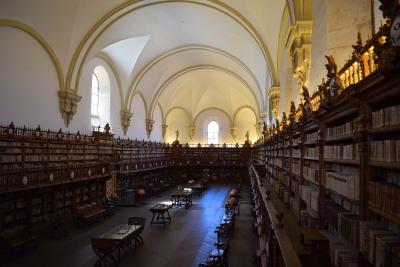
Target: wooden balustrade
column 275, row 247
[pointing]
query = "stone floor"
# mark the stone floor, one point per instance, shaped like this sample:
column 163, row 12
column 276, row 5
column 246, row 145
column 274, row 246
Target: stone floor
column 184, row 242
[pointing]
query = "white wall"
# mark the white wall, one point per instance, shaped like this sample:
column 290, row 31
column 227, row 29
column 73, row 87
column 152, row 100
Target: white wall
column 137, row 130
column 202, row 122
column 245, row 121
column 319, row 44
column 54, row 20
column 335, row 27
column 177, row 120
column 156, row 134
column 28, row 82
column 378, row 17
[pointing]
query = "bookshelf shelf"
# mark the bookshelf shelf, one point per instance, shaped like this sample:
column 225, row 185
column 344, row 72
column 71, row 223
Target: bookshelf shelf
column 386, row 165
column 340, row 138
column 384, row 131
column 343, row 161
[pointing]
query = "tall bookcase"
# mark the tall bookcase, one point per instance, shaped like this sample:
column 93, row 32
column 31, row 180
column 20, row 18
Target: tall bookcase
column 336, row 161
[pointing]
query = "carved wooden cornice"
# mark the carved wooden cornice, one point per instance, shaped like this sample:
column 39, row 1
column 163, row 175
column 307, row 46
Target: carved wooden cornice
column 68, row 100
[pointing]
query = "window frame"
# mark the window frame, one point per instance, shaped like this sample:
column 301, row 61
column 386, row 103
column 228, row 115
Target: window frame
column 97, row 96
column 214, row 139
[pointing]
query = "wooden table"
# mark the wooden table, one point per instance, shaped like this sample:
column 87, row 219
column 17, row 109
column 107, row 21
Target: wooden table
column 197, row 189
column 122, row 232
column 160, row 210
column 311, row 237
column 180, row 198
column 114, row 240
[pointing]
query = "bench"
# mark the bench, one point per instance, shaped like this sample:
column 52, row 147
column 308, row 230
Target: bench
column 17, row 238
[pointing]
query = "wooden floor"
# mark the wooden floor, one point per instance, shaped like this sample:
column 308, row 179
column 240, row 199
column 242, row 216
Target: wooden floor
column 184, row 242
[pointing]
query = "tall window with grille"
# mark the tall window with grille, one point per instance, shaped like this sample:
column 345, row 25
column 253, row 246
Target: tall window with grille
column 95, row 101
column 213, row 131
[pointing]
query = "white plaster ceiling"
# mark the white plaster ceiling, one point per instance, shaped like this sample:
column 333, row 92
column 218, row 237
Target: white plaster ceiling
column 125, row 53
column 206, row 88
column 134, row 40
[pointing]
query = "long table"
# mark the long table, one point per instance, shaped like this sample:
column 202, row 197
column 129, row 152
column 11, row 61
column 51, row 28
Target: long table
column 180, row 198
column 114, row 240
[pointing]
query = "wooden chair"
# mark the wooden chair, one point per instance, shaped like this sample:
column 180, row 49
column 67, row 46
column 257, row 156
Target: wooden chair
column 138, row 221
column 105, row 249
column 217, row 257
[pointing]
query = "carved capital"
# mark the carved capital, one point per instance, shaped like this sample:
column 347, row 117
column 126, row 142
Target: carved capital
column 299, row 46
column 191, row 131
column 274, row 98
column 233, row 131
column 149, row 127
column 299, row 42
column 164, row 130
column 125, row 120
column 68, row 103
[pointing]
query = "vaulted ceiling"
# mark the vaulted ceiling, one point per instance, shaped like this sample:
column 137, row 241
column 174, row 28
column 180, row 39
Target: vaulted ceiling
column 171, row 50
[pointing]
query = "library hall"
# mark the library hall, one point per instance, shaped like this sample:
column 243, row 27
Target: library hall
column 200, row 133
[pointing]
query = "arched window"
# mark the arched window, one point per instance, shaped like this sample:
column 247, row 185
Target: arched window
column 100, row 100
column 213, row 130
column 95, row 96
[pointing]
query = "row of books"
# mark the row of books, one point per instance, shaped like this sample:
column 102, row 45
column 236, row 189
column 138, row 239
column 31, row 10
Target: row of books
column 378, row 244
column 284, row 194
column 343, row 184
column 341, row 255
column 342, row 152
column 311, row 152
column 384, row 197
column 388, row 116
column 348, row 227
column 10, row 158
column 309, row 194
column 387, row 176
column 295, row 187
column 294, row 206
column 282, row 177
column 296, row 153
column 340, row 130
column 311, row 174
column 385, row 150
column 296, row 168
column 296, row 141
column 312, row 137
column 287, row 152
column 278, row 162
column 309, row 218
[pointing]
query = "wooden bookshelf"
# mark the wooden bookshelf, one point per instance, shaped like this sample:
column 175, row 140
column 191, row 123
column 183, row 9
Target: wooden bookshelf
column 344, row 156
